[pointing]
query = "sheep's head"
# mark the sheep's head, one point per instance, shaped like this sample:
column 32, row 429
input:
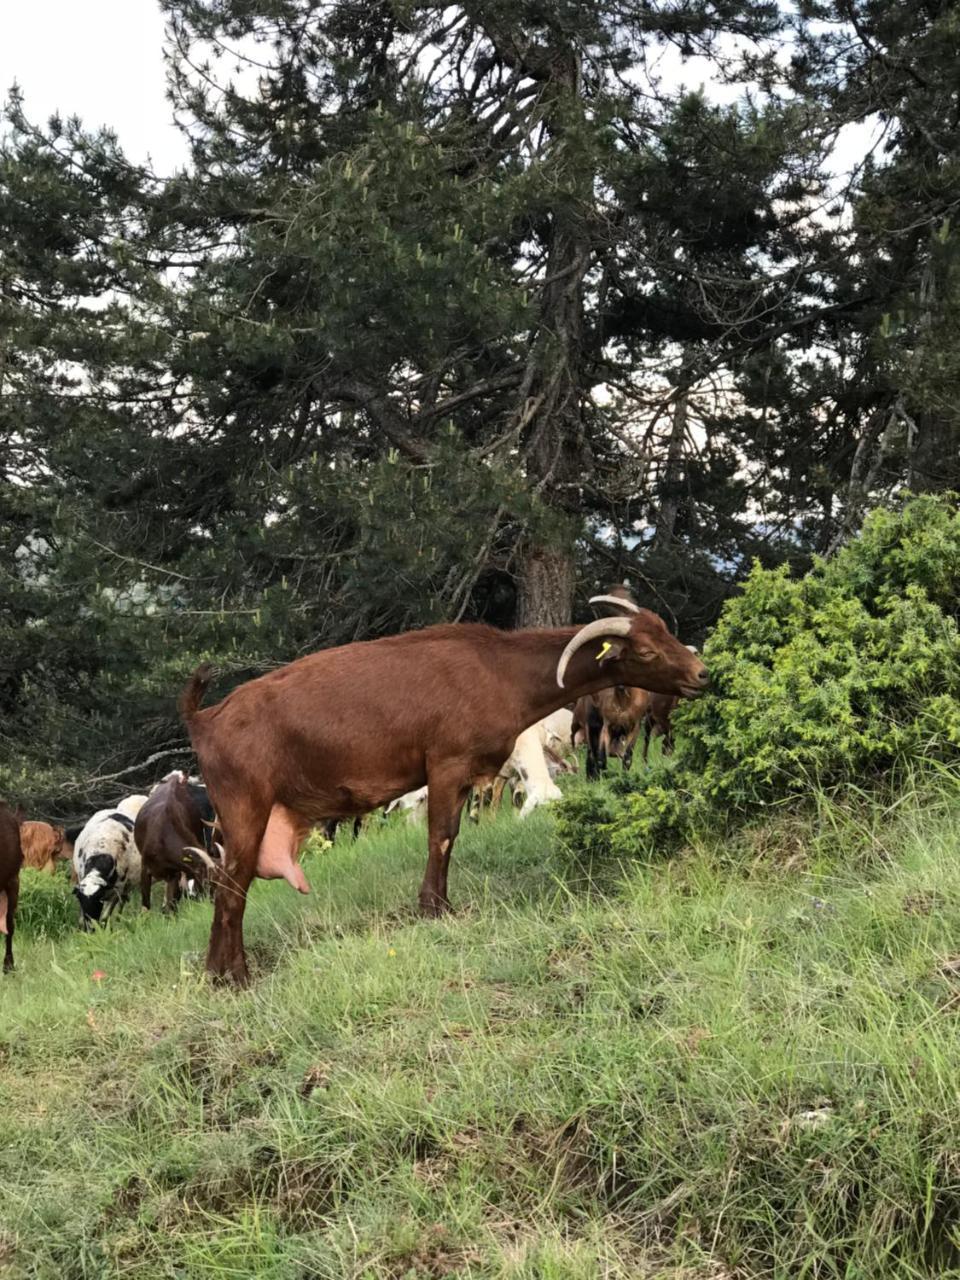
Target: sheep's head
column 100, row 875
column 640, row 650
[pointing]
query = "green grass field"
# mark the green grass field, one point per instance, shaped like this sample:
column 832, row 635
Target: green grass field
column 740, row 1063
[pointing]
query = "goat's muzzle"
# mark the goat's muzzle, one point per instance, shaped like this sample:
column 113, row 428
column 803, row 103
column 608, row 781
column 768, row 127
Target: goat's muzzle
column 698, row 685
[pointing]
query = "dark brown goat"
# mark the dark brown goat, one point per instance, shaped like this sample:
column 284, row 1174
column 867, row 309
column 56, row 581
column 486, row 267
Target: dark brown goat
column 622, row 712
column 656, row 722
column 169, row 835
column 344, row 731
column 11, row 860
column 610, row 720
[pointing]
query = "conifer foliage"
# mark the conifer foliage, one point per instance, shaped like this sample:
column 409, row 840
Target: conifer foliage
column 457, row 311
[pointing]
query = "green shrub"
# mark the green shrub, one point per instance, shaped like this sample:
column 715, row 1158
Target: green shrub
column 842, row 675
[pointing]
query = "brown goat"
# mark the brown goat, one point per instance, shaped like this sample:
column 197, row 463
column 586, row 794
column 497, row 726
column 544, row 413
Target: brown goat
column 44, row 846
column 344, row 731
column 11, row 860
column 169, row 836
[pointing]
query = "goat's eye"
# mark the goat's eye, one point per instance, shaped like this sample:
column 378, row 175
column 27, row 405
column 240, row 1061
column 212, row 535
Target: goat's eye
column 645, row 655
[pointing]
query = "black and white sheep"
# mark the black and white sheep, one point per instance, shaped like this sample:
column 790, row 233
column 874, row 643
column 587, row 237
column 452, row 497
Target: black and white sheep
column 106, row 861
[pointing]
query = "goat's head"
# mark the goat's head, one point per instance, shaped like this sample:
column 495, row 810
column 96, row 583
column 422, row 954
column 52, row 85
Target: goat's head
column 646, row 654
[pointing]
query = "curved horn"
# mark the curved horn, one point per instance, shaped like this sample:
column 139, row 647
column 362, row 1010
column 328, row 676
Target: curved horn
column 202, row 854
column 593, row 630
column 615, row 600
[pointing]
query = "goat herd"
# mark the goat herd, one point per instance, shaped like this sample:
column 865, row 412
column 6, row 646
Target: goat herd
column 422, row 718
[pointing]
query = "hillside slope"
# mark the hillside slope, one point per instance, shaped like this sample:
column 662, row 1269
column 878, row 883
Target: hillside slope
column 741, row 1063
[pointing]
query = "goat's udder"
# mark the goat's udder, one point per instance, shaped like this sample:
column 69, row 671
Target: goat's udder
column 280, row 847
column 3, row 911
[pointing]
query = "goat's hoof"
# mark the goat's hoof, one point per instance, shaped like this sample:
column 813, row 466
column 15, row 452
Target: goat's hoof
column 229, row 978
column 433, row 908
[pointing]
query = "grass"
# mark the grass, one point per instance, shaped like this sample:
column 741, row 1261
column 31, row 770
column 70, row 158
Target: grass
column 740, row 1063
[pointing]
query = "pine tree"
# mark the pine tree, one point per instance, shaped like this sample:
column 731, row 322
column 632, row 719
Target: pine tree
column 453, row 216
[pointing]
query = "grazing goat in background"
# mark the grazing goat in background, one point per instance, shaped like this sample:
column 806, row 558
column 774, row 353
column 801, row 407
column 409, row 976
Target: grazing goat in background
column 531, row 766
column 613, row 726
column 412, row 803
column 657, row 723
column 611, row 719
column 344, row 731
column 527, row 764
column 198, row 887
column 44, row 846
column 169, row 834
column 556, row 732
column 11, row 860
column 106, row 861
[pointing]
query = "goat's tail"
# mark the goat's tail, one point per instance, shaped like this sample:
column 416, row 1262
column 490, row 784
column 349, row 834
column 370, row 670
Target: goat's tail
column 188, row 704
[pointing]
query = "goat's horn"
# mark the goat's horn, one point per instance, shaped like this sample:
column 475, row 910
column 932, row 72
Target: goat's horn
column 615, row 600
column 202, row 854
column 592, row 631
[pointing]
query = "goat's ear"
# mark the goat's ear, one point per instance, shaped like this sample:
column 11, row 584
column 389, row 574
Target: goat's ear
column 610, row 651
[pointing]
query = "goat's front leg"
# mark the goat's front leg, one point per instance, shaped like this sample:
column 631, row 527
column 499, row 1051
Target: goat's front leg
column 594, row 750
column 496, row 793
column 447, row 793
column 8, row 904
column 629, row 743
column 171, row 894
column 647, row 729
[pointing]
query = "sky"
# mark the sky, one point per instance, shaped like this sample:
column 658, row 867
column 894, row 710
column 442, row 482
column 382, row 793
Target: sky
column 102, row 60
column 98, row 59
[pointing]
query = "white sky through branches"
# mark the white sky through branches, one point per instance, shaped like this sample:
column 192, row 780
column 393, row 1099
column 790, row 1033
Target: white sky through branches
column 102, row 60
column 98, row 59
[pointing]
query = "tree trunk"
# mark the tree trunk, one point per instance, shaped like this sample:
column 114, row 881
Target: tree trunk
column 934, row 457
column 872, row 449
column 672, row 474
column 546, row 585
column 552, row 392
column 932, row 446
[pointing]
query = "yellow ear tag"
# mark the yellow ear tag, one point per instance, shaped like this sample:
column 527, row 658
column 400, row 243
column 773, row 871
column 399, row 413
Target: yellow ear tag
column 607, row 646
